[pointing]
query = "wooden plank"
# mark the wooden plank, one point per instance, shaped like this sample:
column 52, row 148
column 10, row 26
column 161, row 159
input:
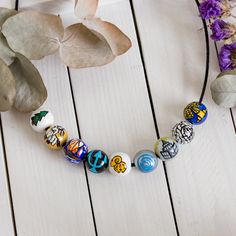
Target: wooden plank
column 115, row 115
column 202, row 178
column 6, row 217
column 50, row 195
column 8, row 3
column 6, row 223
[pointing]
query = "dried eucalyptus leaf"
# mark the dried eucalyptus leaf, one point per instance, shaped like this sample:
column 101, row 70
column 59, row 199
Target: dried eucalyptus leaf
column 82, row 48
column 223, row 89
column 5, row 13
column 6, row 54
column 117, row 40
column 31, row 92
column 33, row 34
column 85, row 8
column 7, row 87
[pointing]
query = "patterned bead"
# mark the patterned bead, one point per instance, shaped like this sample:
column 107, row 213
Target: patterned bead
column 195, row 113
column 166, row 148
column 75, row 150
column 120, row 164
column 41, row 119
column 56, row 137
column 97, row 161
column 146, row 161
column 183, row 132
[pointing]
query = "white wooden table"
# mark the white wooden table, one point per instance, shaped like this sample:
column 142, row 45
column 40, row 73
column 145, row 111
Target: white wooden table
column 44, row 195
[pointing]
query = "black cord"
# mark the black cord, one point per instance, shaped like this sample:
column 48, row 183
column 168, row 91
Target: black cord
column 207, row 57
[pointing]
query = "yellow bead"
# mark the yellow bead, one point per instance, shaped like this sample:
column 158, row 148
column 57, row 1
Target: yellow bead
column 56, row 137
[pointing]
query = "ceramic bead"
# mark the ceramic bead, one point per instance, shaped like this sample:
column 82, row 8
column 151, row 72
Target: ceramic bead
column 146, row 161
column 97, row 161
column 56, row 137
column 120, row 164
column 75, row 150
column 166, row 148
column 183, row 132
column 195, row 113
column 41, row 119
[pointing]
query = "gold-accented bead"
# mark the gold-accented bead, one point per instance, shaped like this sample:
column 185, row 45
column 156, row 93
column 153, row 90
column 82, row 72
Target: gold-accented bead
column 56, row 137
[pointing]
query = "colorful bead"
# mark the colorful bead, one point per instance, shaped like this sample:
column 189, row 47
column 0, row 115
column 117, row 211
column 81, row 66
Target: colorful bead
column 195, row 113
column 56, row 137
column 75, row 150
column 183, row 132
column 166, row 148
column 41, row 119
column 146, row 161
column 120, row 164
column 97, row 161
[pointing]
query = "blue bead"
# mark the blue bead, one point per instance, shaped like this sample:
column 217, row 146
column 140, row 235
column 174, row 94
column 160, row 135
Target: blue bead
column 75, row 151
column 97, row 161
column 146, row 161
column 195, row 113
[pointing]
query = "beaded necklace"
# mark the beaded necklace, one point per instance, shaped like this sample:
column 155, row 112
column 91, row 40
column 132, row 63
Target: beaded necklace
column 166, row 148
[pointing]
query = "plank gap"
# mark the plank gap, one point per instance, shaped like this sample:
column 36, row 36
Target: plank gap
column 153, row 110
column 79, row 134
column 8, row 179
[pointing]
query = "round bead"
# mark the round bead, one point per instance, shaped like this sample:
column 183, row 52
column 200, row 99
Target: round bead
column 56, row 137
column 120, row 164
column 146, row 161
column 41, row 119
column 183, row 132
column 166, row 148
column 195, row 113
column 97, row 161
column 75, row 150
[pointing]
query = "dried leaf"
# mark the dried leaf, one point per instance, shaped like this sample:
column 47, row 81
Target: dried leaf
column 117, row 40
column 31, row 92
column 223, row 89
column 5, row 13
column 6, row 54
column 7, row 87
column 85, row 8
column 33, row 34
column 83, row 48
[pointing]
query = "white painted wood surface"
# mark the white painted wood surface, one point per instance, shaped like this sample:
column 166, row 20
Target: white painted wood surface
column 50, row 196
column 203, row 176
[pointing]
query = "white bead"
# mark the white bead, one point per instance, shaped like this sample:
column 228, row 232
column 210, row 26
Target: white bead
column 183, row 132
column 41, row 119
column 120, row 164
column 166, row 148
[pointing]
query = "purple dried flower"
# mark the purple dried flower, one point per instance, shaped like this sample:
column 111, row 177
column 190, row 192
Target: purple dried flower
column 214, row 9
column 222, row 30
column 227, row 57
column 210, row 9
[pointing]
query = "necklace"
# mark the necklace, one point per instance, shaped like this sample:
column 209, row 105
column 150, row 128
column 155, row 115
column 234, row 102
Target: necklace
column 166, row 148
